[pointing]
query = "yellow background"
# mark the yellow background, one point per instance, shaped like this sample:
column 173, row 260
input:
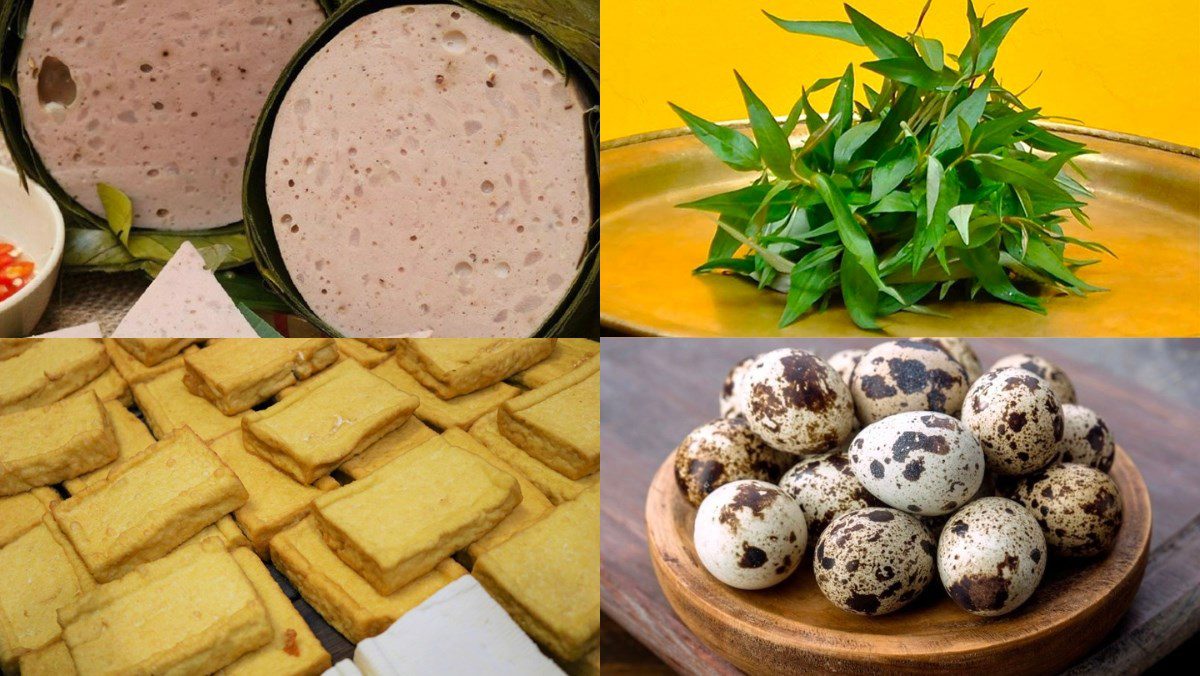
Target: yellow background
column 1125, row 66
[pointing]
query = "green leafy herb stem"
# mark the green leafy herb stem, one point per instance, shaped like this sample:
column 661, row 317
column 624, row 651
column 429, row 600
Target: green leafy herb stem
column 939, row 177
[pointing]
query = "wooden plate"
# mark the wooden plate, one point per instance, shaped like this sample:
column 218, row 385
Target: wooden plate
column 1146, row 209
column 792, row 628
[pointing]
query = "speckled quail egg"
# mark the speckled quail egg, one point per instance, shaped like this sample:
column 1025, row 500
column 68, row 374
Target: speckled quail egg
column 722, row 451
column 907, row 375
column 796, row 402
column 991, row 556
column 1086, row 439
column 1017, row 419
column 825, row 488
column 962, row 353
column 750, row 534
column 1042, row 368
column 921, row 462
column 873, row 561
column 844, row 362
column 730, row 394
column 1078, row 508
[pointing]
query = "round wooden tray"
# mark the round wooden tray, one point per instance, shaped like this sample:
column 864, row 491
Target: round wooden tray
column 792, row 628
column 1146, row 209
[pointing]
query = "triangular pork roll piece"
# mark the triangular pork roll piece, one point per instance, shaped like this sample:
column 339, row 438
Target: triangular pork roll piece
column 155, row 97
column 89, row 330
column 428, row 175
column 184, row 301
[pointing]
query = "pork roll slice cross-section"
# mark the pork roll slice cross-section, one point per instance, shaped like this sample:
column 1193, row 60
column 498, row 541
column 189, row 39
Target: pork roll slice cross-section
column 428, row 174
column 157, row 98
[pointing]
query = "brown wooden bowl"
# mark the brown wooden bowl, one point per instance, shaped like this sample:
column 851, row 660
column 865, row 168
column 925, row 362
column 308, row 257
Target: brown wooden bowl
column 792, row 628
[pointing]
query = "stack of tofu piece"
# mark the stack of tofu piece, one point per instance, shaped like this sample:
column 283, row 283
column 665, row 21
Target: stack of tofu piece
column 247, row 447
column 119, row 552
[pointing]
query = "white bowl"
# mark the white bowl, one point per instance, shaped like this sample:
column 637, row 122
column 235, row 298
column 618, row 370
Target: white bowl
column 32, row 221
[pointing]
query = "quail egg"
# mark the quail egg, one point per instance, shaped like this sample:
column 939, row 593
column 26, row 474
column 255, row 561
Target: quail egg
column 921, row 462
column 825, row 488
column 962, row 353
column 873, row 561
column 722, row 451
column 1078, row 508
column 1042, row 368
column 907, row 375
column 1086, row 439
column 991, row 556
column 730, row 389
column 844, row 362
column 1017, row 419
column 750, row 534
column 796, row 402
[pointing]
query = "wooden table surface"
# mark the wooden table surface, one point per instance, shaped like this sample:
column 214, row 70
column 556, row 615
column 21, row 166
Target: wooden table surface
column 655, row 391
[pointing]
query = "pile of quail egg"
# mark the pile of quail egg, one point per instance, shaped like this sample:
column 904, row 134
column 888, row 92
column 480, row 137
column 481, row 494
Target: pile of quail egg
column 896, row 465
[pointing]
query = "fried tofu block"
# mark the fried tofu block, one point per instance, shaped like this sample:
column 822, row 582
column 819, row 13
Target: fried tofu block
column 532, row 507
column 293, row 650
column 275, row 501
column 390, row 446
column 149, row 505
column 39, row 573
column 548, row 577
column 21, row 512
column 382, row 344
column 46, row 445
column 446, row 498
column 132, row 438
column 454, row 366
column 443, row 414
column 568, row 354
column 554, row 485
column 48, row 371
column 309, row 434
column 361, row 352
column 588, row 665
column 192, row 612
column 11, row 347
column 327, row 483
column 167, row 404
column 133, row 370
column 559, row 423
column 108, row 386
column 225, row 530
column 340, row 595
column 308, row 384
column 238, row 374
column 154, row 351
column 52, row 660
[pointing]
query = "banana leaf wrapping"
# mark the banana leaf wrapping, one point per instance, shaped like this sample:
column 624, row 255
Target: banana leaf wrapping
column 94, row 241
column 565, row 33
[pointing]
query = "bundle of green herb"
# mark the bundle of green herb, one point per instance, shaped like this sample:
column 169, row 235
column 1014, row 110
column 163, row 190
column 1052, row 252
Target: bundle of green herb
column 935, row 181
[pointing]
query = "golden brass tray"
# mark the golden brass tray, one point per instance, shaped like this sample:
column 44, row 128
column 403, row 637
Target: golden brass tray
column 1146, row 209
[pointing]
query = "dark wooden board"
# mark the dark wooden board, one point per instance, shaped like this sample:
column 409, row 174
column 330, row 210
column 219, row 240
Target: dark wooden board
column 655, row 391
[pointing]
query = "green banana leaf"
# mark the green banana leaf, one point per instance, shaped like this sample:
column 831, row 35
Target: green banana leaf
column 564, row 44
column 92, row 242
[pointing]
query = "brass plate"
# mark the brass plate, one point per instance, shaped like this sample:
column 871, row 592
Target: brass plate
column 1147, row 210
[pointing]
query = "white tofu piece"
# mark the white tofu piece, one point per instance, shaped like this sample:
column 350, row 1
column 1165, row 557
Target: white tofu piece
column 185, row 301
column 428, row 639
column 343, row 668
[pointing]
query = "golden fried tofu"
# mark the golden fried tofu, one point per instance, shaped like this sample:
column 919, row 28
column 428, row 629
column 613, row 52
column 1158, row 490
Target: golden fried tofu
column 548, row 577
column 454, row 366
column 49, row 444
column 446, row 498
column 559, row 423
